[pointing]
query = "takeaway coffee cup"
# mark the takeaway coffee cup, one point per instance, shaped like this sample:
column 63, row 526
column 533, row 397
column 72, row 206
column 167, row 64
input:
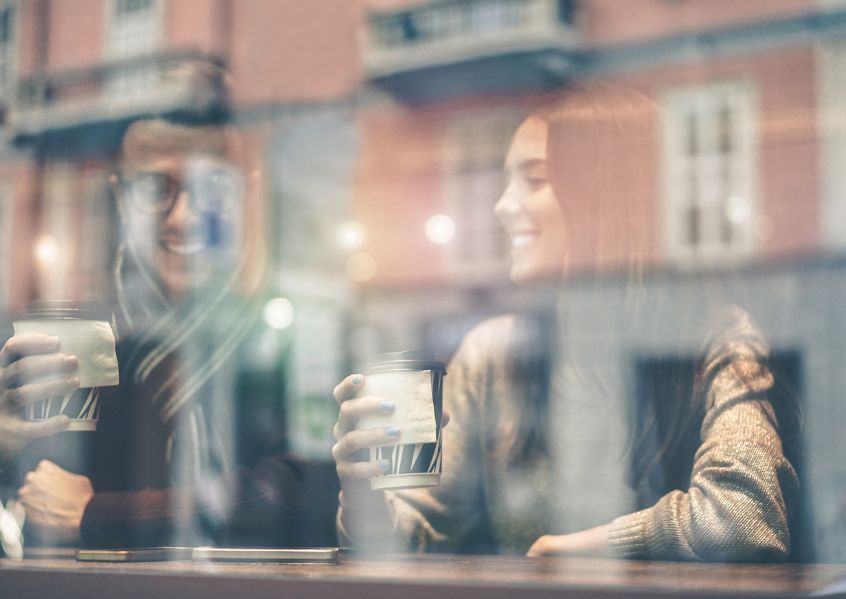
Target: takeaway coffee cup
column 85, row 332
column 414, row 382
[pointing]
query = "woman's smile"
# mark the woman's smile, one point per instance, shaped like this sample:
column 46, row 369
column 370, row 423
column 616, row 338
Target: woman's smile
column 529, row 210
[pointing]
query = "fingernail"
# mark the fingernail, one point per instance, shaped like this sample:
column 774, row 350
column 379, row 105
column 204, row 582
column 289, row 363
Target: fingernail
column 392, row 431
column 356, row 379
column 53, row 340
column 386, row 405
column 385, row 465
column 72, row 382
column 70, row 361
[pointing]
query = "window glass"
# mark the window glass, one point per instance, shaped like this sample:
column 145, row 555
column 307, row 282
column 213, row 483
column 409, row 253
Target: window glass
column 472, row 296
column 134, row 30
column 710, row 182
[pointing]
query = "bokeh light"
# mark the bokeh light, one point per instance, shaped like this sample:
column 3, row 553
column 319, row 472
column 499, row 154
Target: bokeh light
column 46, row 250
column 279, row 313
column 350, row 236
column 440, row 229
column 361, row 267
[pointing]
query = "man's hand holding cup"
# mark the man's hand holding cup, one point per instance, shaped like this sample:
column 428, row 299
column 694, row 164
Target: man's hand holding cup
column 32, row 369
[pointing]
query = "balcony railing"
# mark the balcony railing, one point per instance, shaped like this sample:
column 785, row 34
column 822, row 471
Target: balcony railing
column 115, row 91
column 450, row 32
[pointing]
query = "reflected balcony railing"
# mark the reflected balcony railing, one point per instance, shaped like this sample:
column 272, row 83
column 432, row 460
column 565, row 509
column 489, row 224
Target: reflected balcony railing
column 449, row 33
column 115, row 91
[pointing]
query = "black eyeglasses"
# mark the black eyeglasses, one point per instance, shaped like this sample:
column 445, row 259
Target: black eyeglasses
column 211, row 189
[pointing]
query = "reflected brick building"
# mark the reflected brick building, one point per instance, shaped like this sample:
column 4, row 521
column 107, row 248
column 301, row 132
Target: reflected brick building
column 389, row 112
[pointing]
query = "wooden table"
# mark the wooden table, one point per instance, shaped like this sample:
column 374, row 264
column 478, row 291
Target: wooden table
column 432, row 577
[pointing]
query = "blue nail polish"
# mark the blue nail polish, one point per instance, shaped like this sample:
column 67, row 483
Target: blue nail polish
column 385, row 465
column 386, row 405
column 392, row 431
column 356, row 379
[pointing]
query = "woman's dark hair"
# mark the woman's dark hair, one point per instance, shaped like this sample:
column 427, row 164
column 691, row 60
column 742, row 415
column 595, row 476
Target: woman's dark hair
column 602, row 153
column 603, row 159
column 531, row 352
column 592, row 128
column 674, row 398
column 601, row 165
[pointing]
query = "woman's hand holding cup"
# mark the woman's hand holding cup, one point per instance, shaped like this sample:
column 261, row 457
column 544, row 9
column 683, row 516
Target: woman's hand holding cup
column 31, row 370
column 365, row 510
column 354, row 475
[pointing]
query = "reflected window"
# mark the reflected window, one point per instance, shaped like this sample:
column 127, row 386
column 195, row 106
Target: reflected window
column 97, row 243
column 455, row 20
column 832, row 99
column 474, row 150
column 75, row 245
column 710, row 171
column 134, row 30
column 58, row 240
column 8, row 46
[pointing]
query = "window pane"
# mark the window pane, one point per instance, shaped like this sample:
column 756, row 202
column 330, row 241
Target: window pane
column 551, row 289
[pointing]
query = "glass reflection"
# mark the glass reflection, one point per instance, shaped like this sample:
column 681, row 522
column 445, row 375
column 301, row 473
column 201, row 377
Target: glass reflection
column 542, row 451
column 620, row 223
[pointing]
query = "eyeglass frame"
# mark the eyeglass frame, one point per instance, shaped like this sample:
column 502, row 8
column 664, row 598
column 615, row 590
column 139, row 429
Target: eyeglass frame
column 175, row 187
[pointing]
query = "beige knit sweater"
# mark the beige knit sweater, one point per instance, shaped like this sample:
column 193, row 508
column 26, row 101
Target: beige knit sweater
column 736, row 508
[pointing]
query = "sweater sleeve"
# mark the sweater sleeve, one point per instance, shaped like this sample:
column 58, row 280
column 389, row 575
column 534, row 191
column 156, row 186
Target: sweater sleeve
column 441, row 518
column 736, row 508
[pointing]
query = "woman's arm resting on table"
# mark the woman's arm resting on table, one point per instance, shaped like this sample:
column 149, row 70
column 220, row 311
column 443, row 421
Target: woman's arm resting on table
column 591, row 542
column 742, row 487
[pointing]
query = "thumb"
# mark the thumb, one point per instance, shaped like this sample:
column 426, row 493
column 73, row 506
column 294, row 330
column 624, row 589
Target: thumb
column 44, row 428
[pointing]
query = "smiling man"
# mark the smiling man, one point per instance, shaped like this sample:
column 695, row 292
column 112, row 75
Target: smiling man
column 190, row 448
column 182, row 202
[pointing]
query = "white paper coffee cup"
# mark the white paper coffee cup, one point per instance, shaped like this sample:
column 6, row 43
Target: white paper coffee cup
column 85, row 334
column 414, row 382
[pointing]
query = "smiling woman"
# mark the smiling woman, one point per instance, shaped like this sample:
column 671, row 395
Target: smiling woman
column 497, row 493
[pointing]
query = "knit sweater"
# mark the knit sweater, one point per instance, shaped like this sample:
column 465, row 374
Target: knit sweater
column 735, row 509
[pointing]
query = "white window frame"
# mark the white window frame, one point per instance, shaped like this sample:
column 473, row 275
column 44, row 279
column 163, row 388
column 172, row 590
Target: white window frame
column 463, row 133
column 121, row 86
column 832, row 127
column 7, row 91
column 735, row 209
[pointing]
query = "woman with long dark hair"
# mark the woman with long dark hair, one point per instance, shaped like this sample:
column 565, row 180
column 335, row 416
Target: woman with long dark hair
column 711, row 456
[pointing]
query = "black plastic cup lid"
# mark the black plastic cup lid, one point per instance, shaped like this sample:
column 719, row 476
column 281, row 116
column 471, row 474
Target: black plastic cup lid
column 405, row 360
column 55, row 309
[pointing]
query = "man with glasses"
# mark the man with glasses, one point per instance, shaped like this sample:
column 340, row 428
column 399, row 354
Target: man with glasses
column 189, row 449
